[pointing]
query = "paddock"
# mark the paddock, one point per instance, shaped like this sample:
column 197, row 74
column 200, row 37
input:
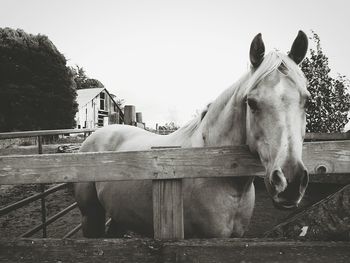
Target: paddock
column 327, row 158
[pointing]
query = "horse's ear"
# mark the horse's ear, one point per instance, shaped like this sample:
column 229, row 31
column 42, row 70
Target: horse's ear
column 299, row 47
column 257, row 51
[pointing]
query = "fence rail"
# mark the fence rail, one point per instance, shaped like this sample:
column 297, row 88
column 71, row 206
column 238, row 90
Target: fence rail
column 23, row 134
column 321, row 158
column 327, row 136
column 148, row 250
column 326, row 161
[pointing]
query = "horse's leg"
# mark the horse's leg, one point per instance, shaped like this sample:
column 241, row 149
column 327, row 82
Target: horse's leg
column 115, row 231
column 93, row 214
column 245, row 212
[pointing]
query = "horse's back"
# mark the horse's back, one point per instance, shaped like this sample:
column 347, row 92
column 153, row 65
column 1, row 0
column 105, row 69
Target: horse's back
column 118, row 138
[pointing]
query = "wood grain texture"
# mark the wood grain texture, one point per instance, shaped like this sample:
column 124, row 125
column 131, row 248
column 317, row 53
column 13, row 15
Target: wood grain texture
column 168, row 209
column 323, row 159
column 328, row 219
column 163, row 164
column 327, row 136
column 107, row 166
column 147, row 250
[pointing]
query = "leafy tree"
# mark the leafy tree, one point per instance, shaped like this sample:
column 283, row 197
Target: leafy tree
column 37, row 90
column 171, row 126
column 120, row 103
column 79, row 76
column 329, row 104
column 82, row 81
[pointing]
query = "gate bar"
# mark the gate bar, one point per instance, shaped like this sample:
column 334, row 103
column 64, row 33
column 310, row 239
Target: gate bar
column 49, row 220
column 42, row 190
column 78, row 227
column 7, row 209
column 73, row 231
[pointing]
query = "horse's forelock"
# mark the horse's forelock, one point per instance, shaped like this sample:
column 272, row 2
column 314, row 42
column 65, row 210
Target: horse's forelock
column 275, row 61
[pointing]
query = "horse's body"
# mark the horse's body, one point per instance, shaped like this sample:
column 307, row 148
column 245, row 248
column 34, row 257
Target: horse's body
column 213, row 207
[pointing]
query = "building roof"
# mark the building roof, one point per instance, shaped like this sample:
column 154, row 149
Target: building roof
column 86, row 95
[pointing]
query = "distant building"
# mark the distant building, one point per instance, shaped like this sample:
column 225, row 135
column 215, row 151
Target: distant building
column 131, row 117
column 97, row 108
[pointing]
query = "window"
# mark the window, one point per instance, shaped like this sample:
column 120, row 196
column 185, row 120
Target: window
column 102, row 101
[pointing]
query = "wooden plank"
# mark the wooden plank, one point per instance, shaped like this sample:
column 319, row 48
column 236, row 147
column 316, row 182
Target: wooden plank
column 33, row 149
column 324, row 159
column 319, row 157
column 147, row 250
column 8, row 135
column 168, row 209
column 23, row 134
column 327, row 136
column 108, row 166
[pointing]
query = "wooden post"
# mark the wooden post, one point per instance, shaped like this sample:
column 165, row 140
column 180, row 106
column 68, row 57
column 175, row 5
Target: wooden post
column 42, row 189
column 168, row 209
column 168, row 222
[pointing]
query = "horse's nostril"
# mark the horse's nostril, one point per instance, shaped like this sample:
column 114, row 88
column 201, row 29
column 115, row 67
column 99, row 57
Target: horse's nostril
column 305, row 179
column 278, row 180
column 276, row 177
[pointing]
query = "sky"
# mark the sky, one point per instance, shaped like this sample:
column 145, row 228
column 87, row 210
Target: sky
column 171, row 58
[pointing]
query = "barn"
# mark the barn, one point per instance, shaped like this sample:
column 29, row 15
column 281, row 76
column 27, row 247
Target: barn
column 97, row 108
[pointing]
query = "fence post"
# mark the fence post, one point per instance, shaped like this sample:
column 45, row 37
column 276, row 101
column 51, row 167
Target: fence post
column 42, row 189
column 167, row 196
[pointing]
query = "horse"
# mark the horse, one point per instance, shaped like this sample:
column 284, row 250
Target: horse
column 264, row 109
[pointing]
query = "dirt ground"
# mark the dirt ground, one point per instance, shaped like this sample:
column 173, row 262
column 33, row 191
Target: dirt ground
column 19, row 221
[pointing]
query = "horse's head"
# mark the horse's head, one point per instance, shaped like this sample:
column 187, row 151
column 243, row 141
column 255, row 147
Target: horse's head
column 276, row 119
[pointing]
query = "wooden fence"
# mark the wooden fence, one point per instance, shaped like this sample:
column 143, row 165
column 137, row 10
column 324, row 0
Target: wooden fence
column 43, row 193
column 326, row 161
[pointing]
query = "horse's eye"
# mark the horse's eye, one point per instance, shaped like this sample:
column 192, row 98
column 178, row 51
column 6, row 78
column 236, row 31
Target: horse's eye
column 253, row 104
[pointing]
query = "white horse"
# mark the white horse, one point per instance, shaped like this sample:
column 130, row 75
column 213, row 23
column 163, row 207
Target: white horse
column 264, row 109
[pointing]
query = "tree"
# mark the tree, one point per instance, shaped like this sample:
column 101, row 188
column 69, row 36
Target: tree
column 328, row 107
column 37, row 90
column 82, row 81
column 171, row 126
column 120, row 102
column 79, row 76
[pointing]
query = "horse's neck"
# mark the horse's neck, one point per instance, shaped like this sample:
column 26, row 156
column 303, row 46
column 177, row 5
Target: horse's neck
column 225, row 123
column 226, row 126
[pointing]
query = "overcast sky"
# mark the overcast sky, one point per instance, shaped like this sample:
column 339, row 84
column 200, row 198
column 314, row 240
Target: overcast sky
column 170, row 58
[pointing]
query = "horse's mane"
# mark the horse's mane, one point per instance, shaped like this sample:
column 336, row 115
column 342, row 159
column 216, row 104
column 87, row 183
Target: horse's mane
column 239, row 90
column 275, row 61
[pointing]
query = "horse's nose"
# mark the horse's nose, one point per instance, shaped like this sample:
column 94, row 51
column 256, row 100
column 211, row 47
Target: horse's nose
column 295, row 189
